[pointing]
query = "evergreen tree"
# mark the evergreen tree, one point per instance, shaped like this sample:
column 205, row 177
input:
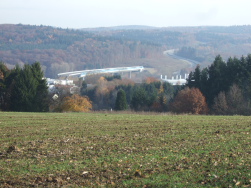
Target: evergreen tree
column 121, row 103
column 204, row 79
column 29, row 90
column 41, row 101
column 129, row 89
column 168, row 93
column 83, row 89
column 217, row 80
column 195, row 78
column 151, row 91
column 232, row 70
column 139, row 99
column 24, row 90
column 4, row 72
column 168, row 88
column 247, row 89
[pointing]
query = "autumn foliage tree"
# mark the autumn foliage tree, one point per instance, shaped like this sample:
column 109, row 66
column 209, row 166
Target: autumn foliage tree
column 76, row 103
column 150, row 80
column 160, row 104
column 189, row 100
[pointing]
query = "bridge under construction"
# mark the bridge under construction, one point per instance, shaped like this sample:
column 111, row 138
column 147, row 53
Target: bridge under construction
column 83, row 73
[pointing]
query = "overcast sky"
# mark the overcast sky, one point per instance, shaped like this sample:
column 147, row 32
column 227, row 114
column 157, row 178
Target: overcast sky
column 103, row 13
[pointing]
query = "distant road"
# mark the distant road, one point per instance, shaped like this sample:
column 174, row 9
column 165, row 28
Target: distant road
column 191, row 62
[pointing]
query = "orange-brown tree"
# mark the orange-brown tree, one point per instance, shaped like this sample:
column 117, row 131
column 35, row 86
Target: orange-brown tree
column 150, row 80
column 190, row 100
column 76, row 103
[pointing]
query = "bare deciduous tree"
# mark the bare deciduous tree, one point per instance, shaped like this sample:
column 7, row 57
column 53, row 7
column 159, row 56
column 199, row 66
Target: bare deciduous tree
column 220, row 105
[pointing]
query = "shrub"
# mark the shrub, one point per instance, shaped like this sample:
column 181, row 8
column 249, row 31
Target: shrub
column 76, row 103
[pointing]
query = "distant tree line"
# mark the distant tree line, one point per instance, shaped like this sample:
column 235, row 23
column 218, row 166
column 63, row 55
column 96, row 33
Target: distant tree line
column 222, row 88
column 152, row 95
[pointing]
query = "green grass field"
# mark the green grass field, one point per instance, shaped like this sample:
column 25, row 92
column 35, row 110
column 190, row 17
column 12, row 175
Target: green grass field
column 124, row 150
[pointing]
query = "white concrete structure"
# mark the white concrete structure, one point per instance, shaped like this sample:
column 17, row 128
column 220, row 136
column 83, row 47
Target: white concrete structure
column 59, row 82
column 177, row 81
column 84, row 73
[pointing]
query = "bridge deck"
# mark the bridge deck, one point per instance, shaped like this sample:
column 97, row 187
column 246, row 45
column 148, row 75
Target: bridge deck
column 83, row 73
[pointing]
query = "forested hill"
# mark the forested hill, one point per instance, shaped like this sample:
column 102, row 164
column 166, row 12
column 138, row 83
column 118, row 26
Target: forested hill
column 60, row 50
column 203, row 43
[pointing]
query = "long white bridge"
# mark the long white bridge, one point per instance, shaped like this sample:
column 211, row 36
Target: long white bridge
column 83, row 73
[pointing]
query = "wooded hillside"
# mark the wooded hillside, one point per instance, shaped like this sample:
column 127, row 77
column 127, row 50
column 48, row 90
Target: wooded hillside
column 208, row 41
column 60, row 50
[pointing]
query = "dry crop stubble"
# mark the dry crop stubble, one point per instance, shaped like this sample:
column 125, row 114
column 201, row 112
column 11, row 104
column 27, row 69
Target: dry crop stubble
column 124, row 150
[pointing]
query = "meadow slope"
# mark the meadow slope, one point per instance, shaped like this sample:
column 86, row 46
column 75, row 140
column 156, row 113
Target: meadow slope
column 124, row 150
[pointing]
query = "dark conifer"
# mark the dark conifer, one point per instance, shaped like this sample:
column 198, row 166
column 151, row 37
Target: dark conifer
column 29, row 90
column 121, row 103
